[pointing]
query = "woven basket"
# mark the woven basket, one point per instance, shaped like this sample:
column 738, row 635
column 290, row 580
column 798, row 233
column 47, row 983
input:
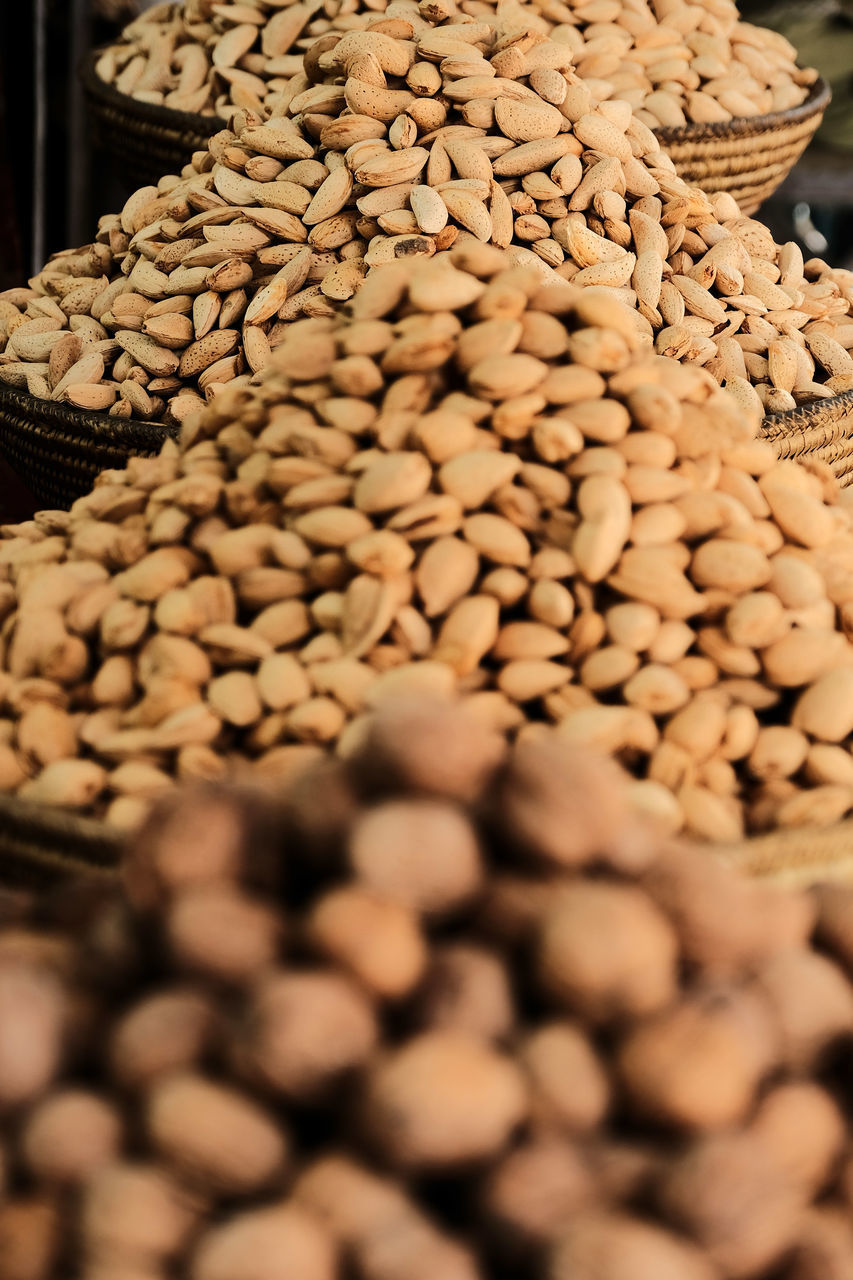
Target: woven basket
column 39, row 846
column 58, row 450
column 801, row 856
column 822, row 430
column 749, row 156
column 144, row 142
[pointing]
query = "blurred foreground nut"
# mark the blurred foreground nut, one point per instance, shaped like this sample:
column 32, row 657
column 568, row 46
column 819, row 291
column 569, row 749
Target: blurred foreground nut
column 564, row 816
column 736, row 1201
column 698, row 1064
column 811, row 1001
column 165, row 1032
column 606, row 952
column 136, row 1213
column 219, row 1140
column 466, row 988
column 723, row 921
column 33, row 1016
column 536, row 1190
column 570, row 1088
column 351, row 1201
column 444, row 1098
column 835, row 921
column 436, row 1102
column 378, row 940
column 418, row 745
column 69, row 1135
column 614, row 1246
column 824, row 1247
column 218, row 932
column 421, row 853
column 277, row 1243
column 390, row 1238
column 415, row 1250
column 803, row 1127
column 198, row 837
column 305, row 1029
column 29, row 1238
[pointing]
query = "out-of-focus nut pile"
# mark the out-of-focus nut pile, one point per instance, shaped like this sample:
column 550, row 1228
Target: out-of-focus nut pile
column 474, row 482
column 401, row 140
column 674, row 62
column 442, row 1010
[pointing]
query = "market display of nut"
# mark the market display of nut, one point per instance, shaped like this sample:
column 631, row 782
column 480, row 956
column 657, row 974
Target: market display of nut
column 462, row 595
column 472, row 481
column 600, row 1055
column 493, row 119
column 401, row 140
column 207, row 58
column 679, row 63
column 674, row 62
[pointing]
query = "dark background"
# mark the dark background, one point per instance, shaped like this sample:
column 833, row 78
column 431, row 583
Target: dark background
column 52, row 193
column 54, row 184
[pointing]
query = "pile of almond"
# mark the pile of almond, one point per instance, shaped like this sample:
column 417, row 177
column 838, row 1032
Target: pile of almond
column 484, row 131
column 674, row 62
column 398, row 141
column 443, row 1011
column 474, row 482
column 678, row 63
column 207, row 58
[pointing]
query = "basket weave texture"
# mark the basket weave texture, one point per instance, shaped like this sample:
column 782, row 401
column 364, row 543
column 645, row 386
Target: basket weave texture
column 800, row 856
column 822, row 431
column 750, row 156
column 58, row 450
column 39, row 846
column 143, row 141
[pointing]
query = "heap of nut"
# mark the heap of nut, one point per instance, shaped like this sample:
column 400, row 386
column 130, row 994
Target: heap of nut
column 207, row 58
column 679, row 63
column 401, row 140
column 443, row 1010
column 476, row 482
column 489, row 135
column 674, row 62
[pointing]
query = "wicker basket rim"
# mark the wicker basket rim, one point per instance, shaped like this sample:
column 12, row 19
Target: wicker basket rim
column 34, row 833
column 805, row 414
column 147, row 112
column 743, row 126
column 84, row 424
